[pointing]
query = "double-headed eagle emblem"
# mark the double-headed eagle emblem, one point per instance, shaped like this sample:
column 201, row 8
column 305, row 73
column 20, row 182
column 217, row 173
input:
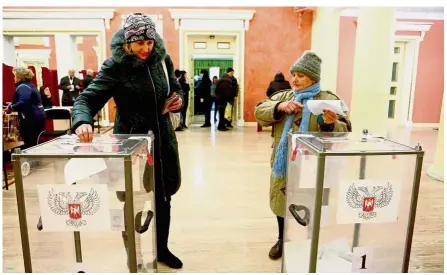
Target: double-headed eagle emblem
column 62, row 203
column 361, row 197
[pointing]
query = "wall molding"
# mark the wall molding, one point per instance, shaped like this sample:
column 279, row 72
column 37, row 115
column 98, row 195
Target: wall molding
column 250, row 124
column 402, row 14
column 213, row 56
column 435, row 173
column 212, row 14
column 425, row 125
column 33, row 54
column 421, row 27
column 103, row 14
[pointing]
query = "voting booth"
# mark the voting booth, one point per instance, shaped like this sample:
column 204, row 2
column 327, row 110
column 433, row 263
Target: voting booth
column 84, row 207
column 351, row 202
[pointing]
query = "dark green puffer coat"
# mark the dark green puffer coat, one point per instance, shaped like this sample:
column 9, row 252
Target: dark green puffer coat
column 139, row 89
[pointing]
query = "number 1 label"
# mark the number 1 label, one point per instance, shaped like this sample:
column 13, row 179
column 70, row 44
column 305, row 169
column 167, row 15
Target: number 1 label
column 362, row 260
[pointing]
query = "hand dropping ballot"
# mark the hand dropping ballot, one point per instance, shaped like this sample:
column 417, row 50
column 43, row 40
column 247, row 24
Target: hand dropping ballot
column 336, row 106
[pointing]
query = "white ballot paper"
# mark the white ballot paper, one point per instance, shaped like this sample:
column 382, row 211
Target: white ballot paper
column 317, row 106
column 334, row 257
column 78, row 169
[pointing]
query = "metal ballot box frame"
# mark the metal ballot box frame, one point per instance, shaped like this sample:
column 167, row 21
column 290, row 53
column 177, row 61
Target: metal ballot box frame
column 88, row 190
column 351, row 202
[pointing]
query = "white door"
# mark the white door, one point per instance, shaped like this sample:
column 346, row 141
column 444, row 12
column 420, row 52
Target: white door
column 396, row 101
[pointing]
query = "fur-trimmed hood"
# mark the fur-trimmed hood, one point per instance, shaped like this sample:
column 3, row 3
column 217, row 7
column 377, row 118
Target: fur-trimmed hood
column 121, row 56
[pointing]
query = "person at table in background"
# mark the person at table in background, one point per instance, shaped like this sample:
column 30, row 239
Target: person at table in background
column 140, row 78
column 28, row 104
column 45, row 95
column 71, row 87
column 288, row 110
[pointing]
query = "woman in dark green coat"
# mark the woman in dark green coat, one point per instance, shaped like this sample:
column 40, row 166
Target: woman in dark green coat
column 136, row 78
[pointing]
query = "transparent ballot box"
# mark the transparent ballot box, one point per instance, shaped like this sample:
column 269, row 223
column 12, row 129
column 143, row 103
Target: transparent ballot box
column 84, row 207
column 350, row 203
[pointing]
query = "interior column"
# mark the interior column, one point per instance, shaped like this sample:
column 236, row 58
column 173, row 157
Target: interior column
column 372, row 69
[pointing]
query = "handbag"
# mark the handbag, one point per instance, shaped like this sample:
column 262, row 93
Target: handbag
column 174, row 117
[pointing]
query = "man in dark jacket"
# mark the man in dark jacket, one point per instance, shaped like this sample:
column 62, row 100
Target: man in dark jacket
column 140, row 78
column 70, row 86
column 224, row 94
column 278, row 84
column 183, row 80
column 88, row 78
column 235, row 93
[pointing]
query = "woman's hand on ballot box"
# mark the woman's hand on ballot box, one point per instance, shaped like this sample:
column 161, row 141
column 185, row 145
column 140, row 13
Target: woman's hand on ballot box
column 85, row 133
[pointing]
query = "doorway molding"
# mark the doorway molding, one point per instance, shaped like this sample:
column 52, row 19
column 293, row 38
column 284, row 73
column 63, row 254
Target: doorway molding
column 235, row 23
column 412, row 55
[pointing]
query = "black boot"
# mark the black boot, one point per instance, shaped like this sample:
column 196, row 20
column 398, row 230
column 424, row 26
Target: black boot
column 169, row 259
column 163, row 222
column 276, row 250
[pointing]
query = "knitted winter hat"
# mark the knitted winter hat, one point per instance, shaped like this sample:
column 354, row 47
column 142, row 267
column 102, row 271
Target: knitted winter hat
column 138, row 27
column 309, row 64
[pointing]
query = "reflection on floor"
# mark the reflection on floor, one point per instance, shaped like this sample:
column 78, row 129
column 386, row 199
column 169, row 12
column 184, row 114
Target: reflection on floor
column 221, row 221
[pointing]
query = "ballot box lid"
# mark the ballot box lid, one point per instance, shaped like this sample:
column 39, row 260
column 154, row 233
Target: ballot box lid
column 101, row 146
column 350, row 143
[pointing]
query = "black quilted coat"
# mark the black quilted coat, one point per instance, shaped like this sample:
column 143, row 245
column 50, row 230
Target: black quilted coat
column 139, row 89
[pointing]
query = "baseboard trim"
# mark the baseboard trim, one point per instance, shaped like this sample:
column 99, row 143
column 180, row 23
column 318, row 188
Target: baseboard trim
column 250, row 124
column 434, row 173
column 425, row 125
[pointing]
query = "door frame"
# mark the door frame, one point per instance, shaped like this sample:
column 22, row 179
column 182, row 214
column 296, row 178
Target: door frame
column 190, row 68
column 213, row 22
column 410, row 74
column 238, row 60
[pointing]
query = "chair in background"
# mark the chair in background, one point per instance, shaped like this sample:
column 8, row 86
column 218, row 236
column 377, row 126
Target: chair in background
column 61, row 120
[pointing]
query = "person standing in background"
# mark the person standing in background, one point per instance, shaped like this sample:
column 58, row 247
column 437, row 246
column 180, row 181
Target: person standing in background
column 71, row 87
column 278, row 84
column 28, row 104
column 235, row 88
column 88, row 78
column 224, row 93
column 213, row 97
column 204, row 92
column 184, row 83
column 45, row 95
